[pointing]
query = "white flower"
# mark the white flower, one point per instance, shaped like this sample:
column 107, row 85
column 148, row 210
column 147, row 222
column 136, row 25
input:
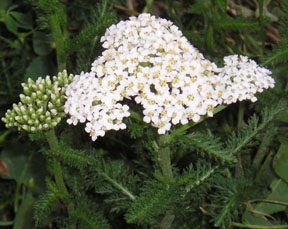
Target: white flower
column 148, row 60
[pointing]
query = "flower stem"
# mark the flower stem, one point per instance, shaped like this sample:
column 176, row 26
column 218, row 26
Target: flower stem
column 59, row 38
column 148, row 6
column 53, row 143
column 165, row 165
column 164, row 157
column 7, row 223
column 240, row 115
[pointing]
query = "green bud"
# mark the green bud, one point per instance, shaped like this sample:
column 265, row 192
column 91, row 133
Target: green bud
column 45, row 97
column 38, row 102
column 48, row 119
column 54, row 124
column 31, row 183
column 33, row 116
column 39, row 94
column 41, row 88
column 22, row 109
column 58, row 102
column 25, row 127
column 33, row 96
column 30, row 82
column 42, row 118
column 40, row 111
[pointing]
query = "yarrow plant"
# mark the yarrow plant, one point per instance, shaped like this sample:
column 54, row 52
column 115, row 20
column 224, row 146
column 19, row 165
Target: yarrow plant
column 166, row 171
column 148, row 60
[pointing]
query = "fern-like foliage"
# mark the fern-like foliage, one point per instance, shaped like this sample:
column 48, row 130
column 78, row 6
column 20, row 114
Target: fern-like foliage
column 47, row 203
column 157, row 196
column 229, row 197
column 210, row 145
column 115, row 181
column 154, row 199
column 237, row 141
column 232, row 24
column 89, row 215
column 194, row 176
column 279, row 55
column 86, row 43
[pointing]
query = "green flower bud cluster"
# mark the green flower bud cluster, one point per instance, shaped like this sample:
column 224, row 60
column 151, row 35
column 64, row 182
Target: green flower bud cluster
column 42, row 104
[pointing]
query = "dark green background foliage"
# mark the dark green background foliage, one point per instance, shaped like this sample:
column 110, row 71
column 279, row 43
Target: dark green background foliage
column 228, row 171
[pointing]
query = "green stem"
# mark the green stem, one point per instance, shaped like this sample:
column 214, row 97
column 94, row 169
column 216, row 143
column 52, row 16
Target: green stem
column 8, row 79
column 117, row 185
column 270, row 201
column 225, row 210
column 240, row 116
column 259, row 226
column 59, row 38
column 4, row 135
column 148, row 6
column 53, row 143
column 164, row 157
column 264, row 146
column 165, row 165
column 7, row 223
column 263, row 167
column 7, row 41
column 17, row 194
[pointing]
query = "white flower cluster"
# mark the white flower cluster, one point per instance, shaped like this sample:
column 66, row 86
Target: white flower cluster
column 243, row 79
column 149, row 60
column 91, row 100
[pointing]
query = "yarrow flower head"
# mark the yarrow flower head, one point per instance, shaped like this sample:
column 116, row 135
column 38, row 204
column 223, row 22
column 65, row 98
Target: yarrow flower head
column 41, row 105
column 149, row 60
column 243, row 79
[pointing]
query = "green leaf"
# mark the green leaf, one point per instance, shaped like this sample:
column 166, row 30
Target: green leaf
column 283, row 116
column 23, row 166
column 40, row 66
column 44, row 206
column 4, row 4
column 24, row 217
column 23, row 20
column 280, row 162
column 11, row 24
column 41, row 43
column 222, row 5
column 279, row 193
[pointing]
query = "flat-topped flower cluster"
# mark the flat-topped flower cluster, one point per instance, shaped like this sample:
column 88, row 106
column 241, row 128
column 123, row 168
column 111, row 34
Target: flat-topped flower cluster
column 148, row 59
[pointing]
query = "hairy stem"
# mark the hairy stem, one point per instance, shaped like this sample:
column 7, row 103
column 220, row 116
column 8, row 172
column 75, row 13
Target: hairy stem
column 240, row 116
column 59, row 34
column 119, row 186
column 165, row 165
column 164, row 157
column 53, row 143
